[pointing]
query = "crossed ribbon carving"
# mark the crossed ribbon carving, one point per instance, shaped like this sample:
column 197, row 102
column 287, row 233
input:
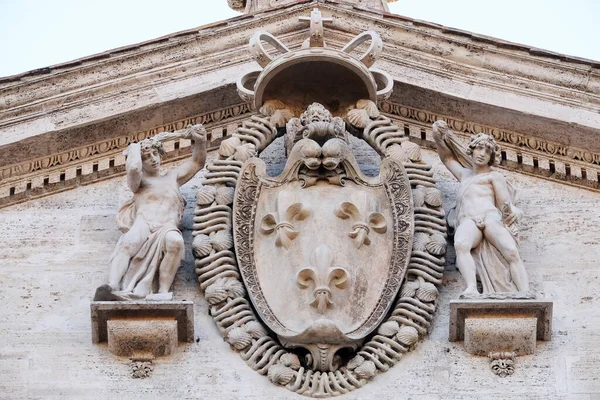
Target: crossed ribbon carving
column 280, row 222
column 362, row 226
column 323, row 275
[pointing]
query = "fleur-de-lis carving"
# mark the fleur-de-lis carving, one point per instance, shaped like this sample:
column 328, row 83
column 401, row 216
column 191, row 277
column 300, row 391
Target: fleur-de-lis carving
column 281, row 221
column 362, row 226
column 323, row 275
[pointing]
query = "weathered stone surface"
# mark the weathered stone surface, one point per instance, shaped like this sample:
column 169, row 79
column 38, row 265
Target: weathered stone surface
column 462, row 310
column 48, row 280
column 104, row 311
column 492, row 334
column 156, row 336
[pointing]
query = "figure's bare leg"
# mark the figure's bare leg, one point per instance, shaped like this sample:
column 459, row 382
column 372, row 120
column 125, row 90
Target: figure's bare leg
column 467, row 236
column 131, row 243
column 171, row 261
column 501, row 238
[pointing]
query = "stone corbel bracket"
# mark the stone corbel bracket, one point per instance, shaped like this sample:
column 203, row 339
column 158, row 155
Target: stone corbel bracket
column 142, row 330
column 500, row 329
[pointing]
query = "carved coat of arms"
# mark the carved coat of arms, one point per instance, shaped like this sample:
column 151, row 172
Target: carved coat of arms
column 322, row 248
column 321, row 277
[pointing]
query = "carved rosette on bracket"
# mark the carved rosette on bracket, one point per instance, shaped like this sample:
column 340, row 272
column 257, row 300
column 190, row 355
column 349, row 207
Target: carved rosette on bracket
column 299, row 269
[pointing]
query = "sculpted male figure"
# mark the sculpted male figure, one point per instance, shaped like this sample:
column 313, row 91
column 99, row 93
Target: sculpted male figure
column 485, row 237
column 151, row 244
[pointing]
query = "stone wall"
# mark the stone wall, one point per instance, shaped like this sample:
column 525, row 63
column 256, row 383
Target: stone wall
column 55, row 251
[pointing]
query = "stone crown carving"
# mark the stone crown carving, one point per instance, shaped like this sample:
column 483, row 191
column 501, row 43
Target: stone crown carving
column 283, row 73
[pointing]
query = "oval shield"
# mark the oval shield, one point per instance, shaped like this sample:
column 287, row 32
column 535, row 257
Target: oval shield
column 322, row 248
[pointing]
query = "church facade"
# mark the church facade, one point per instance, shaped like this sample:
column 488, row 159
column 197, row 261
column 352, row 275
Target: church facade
column 322, row 151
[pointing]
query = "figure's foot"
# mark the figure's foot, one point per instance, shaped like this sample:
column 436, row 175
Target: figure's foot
column 105, row 293
column 123, row 296
column 469, row 292
column 160, row 296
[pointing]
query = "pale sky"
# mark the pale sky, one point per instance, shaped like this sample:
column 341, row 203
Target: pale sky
column 39, row 33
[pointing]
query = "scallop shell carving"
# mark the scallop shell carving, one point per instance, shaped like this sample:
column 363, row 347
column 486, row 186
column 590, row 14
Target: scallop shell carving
column 413, row 151
column 389, row 328
column 228, row 146
column 280, row 374
column 205, row 195
column 239, row 338
column 355, row 362
column 409, row 289
column 244, row 152
column 216, row 293
column 358, row 118
column 235, row 289
column 397, row 153
column 255, row 329
column 201, row 246
column 407, row 335
column 280, row 118
column 222, row 240
column 290, row 360
column 270, row 106
column 366, row 370
column 369, row 106
column 427, row 292
column 224, row 195
column 418, row 197
column 437, row 245
column 237, row 5
column 433, row 197
column 420, row 241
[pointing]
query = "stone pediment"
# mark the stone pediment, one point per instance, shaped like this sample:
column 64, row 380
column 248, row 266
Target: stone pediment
column 73, row 120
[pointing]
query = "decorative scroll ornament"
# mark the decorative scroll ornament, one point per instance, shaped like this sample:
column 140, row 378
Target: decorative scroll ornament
column 305, row 272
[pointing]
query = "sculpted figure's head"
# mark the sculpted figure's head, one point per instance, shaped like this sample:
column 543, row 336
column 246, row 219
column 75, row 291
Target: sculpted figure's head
column 482, row 148
column 151, row 150
column 315, row 113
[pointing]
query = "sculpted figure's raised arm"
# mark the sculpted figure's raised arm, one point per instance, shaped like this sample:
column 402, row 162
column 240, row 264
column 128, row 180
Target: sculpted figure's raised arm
column 151, row 243
column 484, row 218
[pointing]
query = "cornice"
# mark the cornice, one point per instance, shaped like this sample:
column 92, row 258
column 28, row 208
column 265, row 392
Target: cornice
column 477, row 58
column 130, row 69
column 103, row 160
column 519, row 152
column 77, row 111
column 178, row 50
